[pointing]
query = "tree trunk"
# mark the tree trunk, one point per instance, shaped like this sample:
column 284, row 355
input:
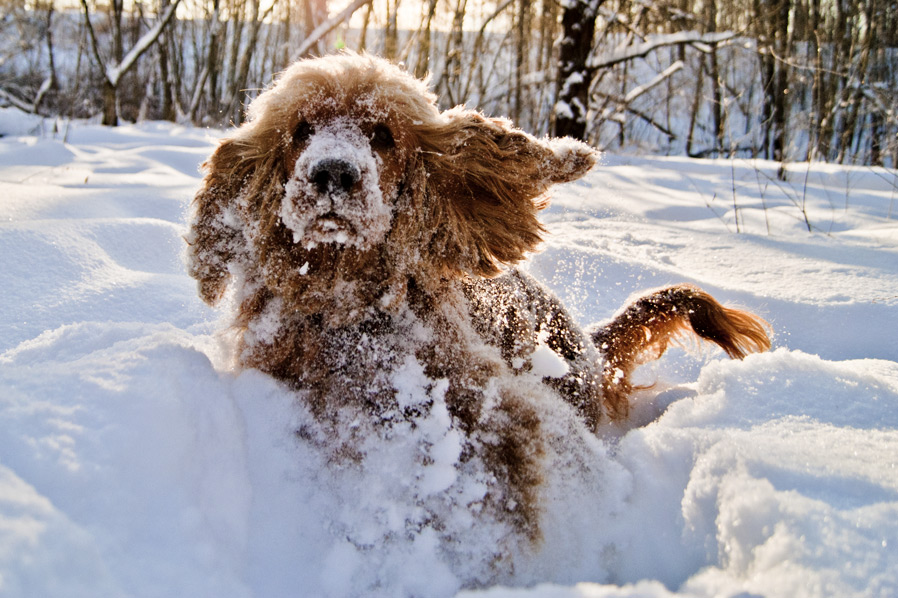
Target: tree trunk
column 694, row 113
column 455, row 40
column 168, row 104
column 840, row 91
column 118, row 48
column 781, row 85
column 521, row 56
column 363, row 34
column 242, row 69
column 391, row 30
column 212, row 60
column 110, row 105
column 110, row 91
column 50, row 83
column 853, row 126
column 815, row 127
column 716, row 87
column 422, row 63
column 578, row 22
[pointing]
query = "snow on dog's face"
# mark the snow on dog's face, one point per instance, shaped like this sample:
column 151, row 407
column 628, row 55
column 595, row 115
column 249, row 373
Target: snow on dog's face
column 343, row 177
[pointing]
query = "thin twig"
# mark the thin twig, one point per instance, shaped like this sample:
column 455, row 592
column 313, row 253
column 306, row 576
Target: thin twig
column 735, row 203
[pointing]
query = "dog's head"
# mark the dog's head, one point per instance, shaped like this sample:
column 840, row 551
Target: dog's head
column 347, row 169
column 348, row 147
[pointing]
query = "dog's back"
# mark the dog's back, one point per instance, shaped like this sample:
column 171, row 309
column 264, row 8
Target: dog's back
column 520, row 316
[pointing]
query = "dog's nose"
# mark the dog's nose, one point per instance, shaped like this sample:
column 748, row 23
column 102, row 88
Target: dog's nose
column 331, row 175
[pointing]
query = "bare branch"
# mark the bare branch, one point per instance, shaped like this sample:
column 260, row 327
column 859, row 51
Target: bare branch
column 626, row 53
column 95, row 46
column 328, row 26
column 15, row 100
column 660, row 78
column 115, row 72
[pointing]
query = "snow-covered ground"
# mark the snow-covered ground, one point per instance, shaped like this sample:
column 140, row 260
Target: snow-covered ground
column 133, row 462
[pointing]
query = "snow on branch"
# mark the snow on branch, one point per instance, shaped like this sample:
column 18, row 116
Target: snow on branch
column 625, row 104
column 15, row 100
column 114, row 72
column 660, row 78
column 329, row 25
column 45, row 88
column 625, row 53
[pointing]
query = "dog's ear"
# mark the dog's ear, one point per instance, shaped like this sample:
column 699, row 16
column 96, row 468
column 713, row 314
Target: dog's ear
column 487, row 180
column 215, row 237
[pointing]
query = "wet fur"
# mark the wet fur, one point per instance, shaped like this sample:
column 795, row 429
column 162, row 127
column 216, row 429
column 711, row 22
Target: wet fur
column 337, row 319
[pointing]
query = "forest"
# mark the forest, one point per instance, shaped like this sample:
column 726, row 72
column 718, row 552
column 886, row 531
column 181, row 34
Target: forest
column 783, row 80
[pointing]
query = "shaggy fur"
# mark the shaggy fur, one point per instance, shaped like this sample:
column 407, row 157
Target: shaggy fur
column 361, row 227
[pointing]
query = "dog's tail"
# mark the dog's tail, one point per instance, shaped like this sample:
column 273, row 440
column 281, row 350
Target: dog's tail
column 642, row 331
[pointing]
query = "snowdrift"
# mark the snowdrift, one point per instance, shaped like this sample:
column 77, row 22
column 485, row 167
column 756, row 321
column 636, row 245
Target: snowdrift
column 135, row 462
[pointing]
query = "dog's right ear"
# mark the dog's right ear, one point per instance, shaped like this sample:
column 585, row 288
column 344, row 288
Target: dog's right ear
column 215, row 237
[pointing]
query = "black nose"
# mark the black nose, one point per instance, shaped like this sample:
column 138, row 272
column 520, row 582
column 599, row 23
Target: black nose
column 331, row 175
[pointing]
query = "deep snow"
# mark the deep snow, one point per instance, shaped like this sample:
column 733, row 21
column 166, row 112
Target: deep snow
column 135, row 462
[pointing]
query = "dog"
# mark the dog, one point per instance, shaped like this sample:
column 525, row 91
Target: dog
column 362, row 231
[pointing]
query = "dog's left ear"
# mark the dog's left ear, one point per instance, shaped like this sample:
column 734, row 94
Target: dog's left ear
column 214, row 237
column 486, row 181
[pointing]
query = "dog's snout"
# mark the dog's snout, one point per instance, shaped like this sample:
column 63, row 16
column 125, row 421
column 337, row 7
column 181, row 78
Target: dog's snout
column 334, row 175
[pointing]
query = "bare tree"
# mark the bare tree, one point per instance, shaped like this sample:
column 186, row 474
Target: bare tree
column 50, row 82
column 119, row 63
column 239, row 82
column 422, row 64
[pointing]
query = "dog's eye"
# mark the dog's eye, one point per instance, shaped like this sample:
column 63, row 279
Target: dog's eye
column 382, row 138
column 302, row 133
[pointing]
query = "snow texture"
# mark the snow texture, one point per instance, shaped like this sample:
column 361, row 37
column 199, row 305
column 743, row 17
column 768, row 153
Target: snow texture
column 135, row 462
column 564, row 110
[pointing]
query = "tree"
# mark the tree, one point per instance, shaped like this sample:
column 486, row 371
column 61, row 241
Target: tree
column 578, row 23
column 119, row 64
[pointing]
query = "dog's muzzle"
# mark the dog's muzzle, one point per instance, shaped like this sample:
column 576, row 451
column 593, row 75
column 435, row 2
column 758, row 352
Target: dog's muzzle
column 333, row 197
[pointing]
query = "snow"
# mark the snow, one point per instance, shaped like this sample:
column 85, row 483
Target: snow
column 564, row 110
column 305, row 210
column 134, row 461
column 546, row 362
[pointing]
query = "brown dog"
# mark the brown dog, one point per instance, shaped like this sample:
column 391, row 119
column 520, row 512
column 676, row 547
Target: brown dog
column 363, row 230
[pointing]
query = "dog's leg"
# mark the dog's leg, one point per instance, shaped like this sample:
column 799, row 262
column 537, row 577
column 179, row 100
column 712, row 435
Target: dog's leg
column 642, row 331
